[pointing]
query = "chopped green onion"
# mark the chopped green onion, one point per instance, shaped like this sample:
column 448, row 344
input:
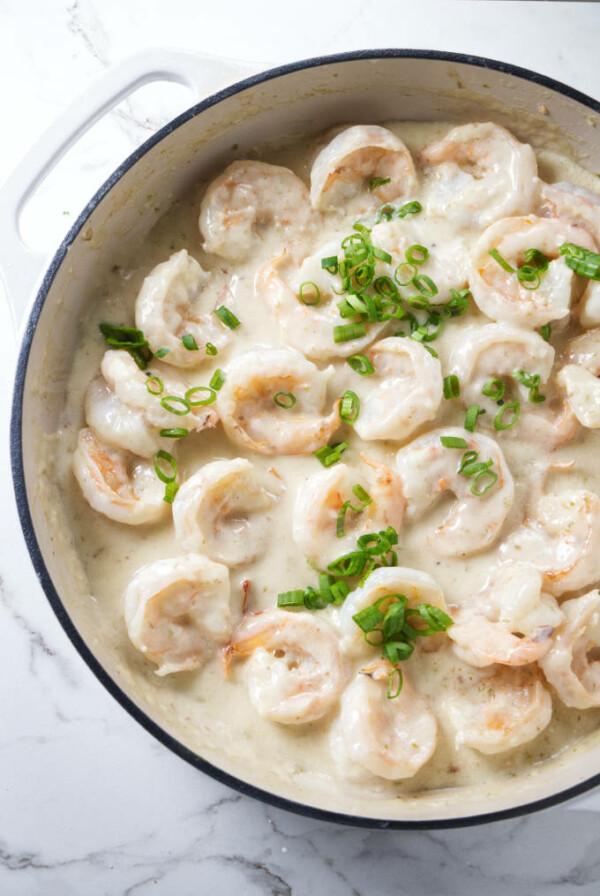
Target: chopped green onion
column 217, row 380
column 499, row 422
column 473, row 413
column 315, row 293
column 162, row 352
column 425, row 285
column 347, row 332
column 501, row 261
column 467, row 459
column 581, row 260
column 385, row 213
column 211, row 349
column 417, row 254
column 531, row 381
column 329, row 455
column 227, row 317
column 200, row 402
column 451, row 386
column 290, row 599
column 155, row 385
column 409, row 208
column 474, row 467
column 382, row 255
column 488, row 478
column 361, row 364
column 453, row 442
column 546, row 332
column 169, row 459
column 178, row 432
column 130, row 339
column 494, row 389
column 385, row 287
column 176, row 405
column 349, row 407
column 431, row 351
column 537, row 258
column 330, row 264
column 364, row 498
column 405, row 266
column 378, row 182
column 528, row 276
column 171, row 489
column 189, row 342
column 284, row 400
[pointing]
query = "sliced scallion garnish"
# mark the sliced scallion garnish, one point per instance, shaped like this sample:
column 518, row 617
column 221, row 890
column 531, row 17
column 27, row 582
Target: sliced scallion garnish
column 501, row 261
column 376, row 182
column 451, row 386
column 330, row 264
column 473, row 412
column 364, row 498
column 531, row 381
column 494, row 389
column 284, row 400
column 177, row 432
column 348, row 332
column 417, row 254
column 200, row 402
column 162, row 352
column 361, row 364
column 176, row 405
column 155, row 385
column 581, row 260
column 329, row 455
column 546, row 332
column 453, row 442
column 211, row 349
column 500, row 423
column 217, row 380
column 309, row 293
column 349, row 407
column 227, row 317
column 189, row 342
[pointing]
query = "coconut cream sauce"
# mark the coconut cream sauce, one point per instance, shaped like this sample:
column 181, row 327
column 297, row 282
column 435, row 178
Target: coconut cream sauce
column 213, row 716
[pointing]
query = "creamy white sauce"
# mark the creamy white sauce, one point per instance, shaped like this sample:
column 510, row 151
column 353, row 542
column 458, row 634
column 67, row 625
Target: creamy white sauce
column 211, row 714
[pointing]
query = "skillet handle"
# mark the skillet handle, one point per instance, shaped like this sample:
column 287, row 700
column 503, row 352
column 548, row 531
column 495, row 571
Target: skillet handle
column 21, row 267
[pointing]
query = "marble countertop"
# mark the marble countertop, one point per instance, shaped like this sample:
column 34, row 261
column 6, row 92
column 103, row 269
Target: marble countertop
column 89, row 802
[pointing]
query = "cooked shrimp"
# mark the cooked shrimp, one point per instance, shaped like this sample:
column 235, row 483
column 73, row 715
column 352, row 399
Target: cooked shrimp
column 252, row 418
column 447, row 264
column 344, row 170
column 497, row 351
column 221, row 511
column 510, row 621
column 563, row 540
column 295, row 671
column 177, row 611
column 497, row 709
column 388, row 738
column 249, row 201
column 428, row 469
column 404, row 392
column 116, row 483
column 479, row 173
column 579, row 377
column 126, row 415
column 500, row 295
column 580, row 207
column 572, row 666
column 309, row 328
column 321, row 498
column 418, row 587
column 177, row 298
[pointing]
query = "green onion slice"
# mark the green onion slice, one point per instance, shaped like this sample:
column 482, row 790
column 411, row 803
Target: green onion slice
column 417, row 254
column 453, row 442
column 425, row 285
column 309, row 293
column 581, row 260
column 451, row 386
column 406, row 271
column 501, row 261
column 217, row 380
column 376, row 182
column 330, row 264
column 513, row 408
column 284, row 400
column 189, row 342
column 483, row 482
column 176, row 405
column 329, row 455
column 409, row 208
column 537, row 258
column 473, row 412
column 349, row 407
column 162, row 352
column 531, row 381
column 178, row 432
column 171, row 489
column 361, row 364
column 200, row 402
column 169, row 476
column 494, row 389
column 382, row 255
column 155, row 385
column 546, row 332
column 211, row 349
column 227, row 317
column 364, row 498
column 348, row 332
column 291, row 599
column 467, row 459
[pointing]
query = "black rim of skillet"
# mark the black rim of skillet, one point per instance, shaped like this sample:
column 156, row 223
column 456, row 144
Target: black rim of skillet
column 16, row 448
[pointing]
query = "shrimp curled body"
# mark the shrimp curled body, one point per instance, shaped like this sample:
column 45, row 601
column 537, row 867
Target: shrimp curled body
column 177, row 611
column 294, row 671
column 568, row 666
column 428, row 469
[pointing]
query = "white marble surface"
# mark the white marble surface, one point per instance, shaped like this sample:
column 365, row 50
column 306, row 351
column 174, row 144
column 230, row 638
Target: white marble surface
column 90, row 803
